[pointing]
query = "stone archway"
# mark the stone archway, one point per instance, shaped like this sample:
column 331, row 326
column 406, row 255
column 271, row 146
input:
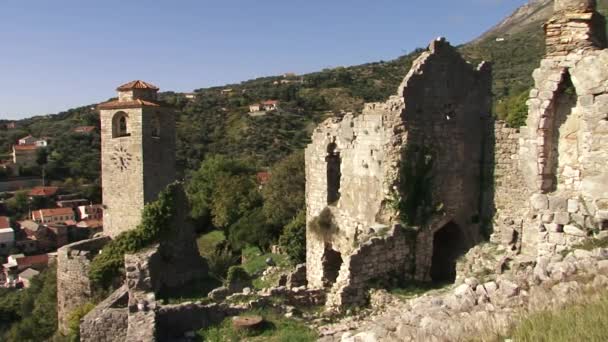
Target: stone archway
column 449, row 243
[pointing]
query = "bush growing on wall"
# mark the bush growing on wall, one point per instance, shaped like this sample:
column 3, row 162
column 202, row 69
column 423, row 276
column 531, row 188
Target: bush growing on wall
column 155, row 222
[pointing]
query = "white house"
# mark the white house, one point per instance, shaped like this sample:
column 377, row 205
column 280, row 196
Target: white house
column 7, row 236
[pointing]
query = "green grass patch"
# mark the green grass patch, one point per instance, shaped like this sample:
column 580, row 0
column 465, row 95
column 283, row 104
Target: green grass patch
column 579, row 322
column 208, row 242
column 255, row 260
column 416, row 289
column 588, row 245
column 194, row 291
column 255, row 264
column 276, row 328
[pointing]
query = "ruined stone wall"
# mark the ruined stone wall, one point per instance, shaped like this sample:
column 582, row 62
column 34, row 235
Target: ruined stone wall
column 564, row 148
column 574, row 26
column 369, row 153
column 507, row 187
column 375, row 259
column 438, row 114
column 447, row 102
column 73, row 285
column 108, row 321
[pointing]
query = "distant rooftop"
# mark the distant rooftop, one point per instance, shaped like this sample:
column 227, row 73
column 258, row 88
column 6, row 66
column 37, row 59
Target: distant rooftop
column 4, row 222
column 137, row 84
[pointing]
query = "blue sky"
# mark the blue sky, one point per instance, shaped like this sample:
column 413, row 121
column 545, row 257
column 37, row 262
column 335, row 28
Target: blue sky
column 61, row 54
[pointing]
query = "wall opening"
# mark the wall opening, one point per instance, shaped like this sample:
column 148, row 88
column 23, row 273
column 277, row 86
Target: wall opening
column 120, row 125
column 333, row 173
column 449, row 243
column 332, row 261
column 561, row 136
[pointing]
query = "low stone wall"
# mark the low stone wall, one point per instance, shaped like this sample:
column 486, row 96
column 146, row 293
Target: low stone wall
column 376, row 258
column 108, row 321
column 73, row 284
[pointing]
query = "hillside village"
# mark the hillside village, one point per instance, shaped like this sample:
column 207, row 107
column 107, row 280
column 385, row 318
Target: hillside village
column 434, row 197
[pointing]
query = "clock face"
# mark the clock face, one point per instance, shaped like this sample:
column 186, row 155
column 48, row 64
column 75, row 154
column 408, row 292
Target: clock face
column 121, row 158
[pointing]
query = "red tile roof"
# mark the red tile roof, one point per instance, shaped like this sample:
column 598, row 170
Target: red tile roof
column 4, row 222
column 138, row 103
column 263, row 177
column 25, row 137
column 44, row 191
column 270, row 102
column 28, row 261
column 52, row 212
column 90, row 224
column 137, row 84
column 28, row 147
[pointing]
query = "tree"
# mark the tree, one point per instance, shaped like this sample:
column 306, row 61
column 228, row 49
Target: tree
column 252, row 229
column 233, row 197
column 18, row 205
column 284, row 193
column 293, row 239
column 221, row 191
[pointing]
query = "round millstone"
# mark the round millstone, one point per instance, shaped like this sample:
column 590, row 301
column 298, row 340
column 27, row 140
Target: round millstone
column 247, row 322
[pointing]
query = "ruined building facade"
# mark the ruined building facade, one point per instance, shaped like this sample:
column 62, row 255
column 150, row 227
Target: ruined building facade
column 563, row 150
column 387, row 185
column 408, row 185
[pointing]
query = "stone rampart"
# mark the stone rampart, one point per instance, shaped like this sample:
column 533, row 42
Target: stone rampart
column 73, row 285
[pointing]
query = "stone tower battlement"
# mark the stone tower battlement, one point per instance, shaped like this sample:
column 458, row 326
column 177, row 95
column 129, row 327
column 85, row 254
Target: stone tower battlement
column 137, row 153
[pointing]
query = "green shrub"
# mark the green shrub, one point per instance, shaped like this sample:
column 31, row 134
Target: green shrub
column 220, row 261
column 74, row 320
column 324, row 225
column 237, row 275
column 293, row 239
column 155, row 222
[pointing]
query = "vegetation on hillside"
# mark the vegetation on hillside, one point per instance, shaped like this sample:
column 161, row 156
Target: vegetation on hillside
column 30, row 314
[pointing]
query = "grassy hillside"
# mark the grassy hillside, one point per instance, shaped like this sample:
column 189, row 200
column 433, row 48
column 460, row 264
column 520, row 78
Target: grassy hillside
column 216, row 123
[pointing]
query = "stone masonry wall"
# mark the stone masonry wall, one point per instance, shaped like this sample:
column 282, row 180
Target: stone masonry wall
column 353, row 166
column 375, row 259
column 73, row 285
column 564, row 147
column 447, row 102
column 509, row 193
column 108, row 321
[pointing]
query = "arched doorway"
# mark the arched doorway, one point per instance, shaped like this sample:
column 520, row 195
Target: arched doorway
column 332, row 262
column 449, row 243
column 561, row 127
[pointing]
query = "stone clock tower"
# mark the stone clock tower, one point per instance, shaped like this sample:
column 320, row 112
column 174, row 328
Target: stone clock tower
column 137, row 154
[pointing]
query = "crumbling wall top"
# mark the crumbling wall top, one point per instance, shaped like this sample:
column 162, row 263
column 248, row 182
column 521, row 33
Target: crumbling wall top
column 575, row 5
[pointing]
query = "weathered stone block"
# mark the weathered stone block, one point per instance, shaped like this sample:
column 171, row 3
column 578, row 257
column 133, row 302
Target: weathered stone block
column 574, row 230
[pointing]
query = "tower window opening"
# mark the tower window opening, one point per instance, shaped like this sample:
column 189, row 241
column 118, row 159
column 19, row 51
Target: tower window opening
column 333, row 174
column 120, row 125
